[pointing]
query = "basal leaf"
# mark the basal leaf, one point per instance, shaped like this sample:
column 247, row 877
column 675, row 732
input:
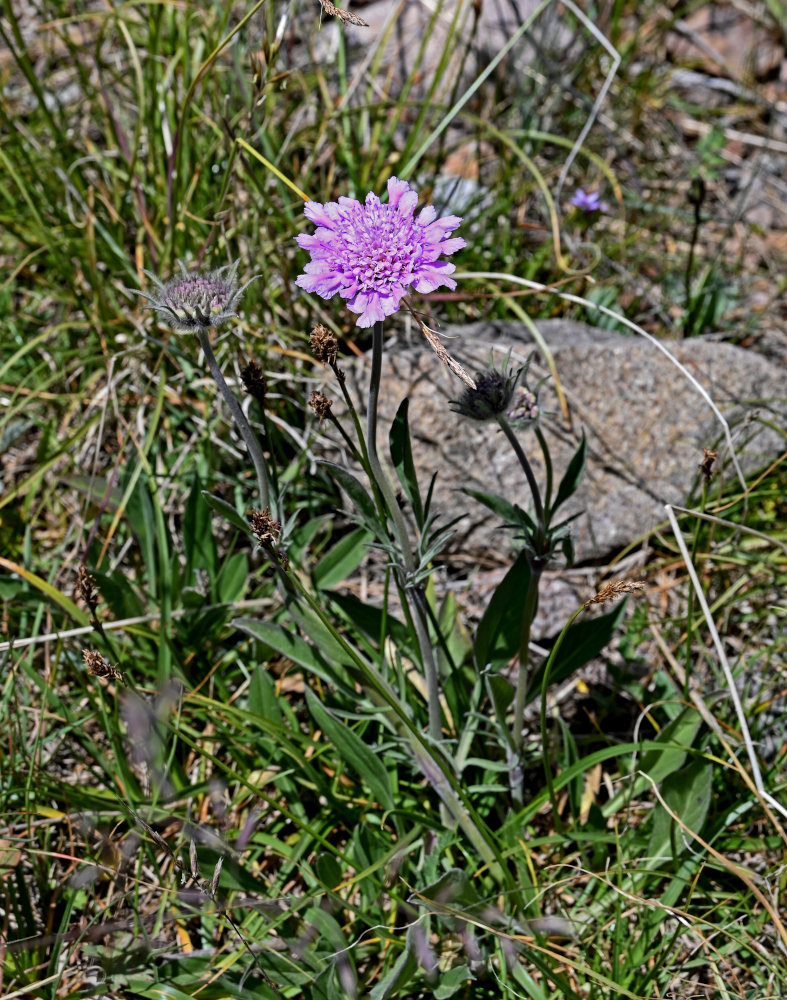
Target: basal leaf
column 687, row 793
column 227, row 511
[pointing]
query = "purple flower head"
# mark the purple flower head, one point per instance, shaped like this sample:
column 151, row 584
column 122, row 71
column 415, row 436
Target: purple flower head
column 371, row 254
column 588, row 201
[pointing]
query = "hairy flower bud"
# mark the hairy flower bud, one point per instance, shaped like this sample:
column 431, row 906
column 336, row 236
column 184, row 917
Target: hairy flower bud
column 491, row 396
column 194, row 301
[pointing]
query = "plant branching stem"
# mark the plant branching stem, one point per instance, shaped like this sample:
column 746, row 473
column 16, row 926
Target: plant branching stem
column 523, row 675
column 543, row 717
column 402, row 536
column 251, row 439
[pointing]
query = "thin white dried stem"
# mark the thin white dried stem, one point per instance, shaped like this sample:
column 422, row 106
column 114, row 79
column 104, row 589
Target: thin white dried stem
column 594, row 111
column 123, row 623
column 772, row 540
column 725, row 666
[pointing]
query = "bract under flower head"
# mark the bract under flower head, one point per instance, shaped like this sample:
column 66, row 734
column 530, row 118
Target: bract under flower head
column 196, row 301
column 372, row 253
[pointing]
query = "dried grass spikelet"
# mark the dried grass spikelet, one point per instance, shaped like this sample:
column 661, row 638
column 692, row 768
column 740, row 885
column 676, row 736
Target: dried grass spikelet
column 344, row 15
column 706, row 465
column 444, row 356
column 85, row 588
column 614, row 589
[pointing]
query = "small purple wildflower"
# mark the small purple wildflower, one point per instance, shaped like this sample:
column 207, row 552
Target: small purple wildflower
column 195, row 301
column 371, row 254
column 588, row 201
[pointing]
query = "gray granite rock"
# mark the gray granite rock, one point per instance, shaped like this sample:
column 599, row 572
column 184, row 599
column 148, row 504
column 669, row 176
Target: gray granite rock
column 646, row 425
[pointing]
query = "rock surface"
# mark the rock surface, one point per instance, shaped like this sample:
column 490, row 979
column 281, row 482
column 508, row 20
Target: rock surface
column 646, row 426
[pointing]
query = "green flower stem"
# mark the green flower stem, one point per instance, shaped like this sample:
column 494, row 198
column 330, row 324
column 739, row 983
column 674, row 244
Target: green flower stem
column 538, row 506
column 430, row 760
column 544, row 734
column 400, row 529
column 351, row 446
column 268, row 440
column 364, row 460
column 547, row 471
column 251, row 439
column 523, row 675
column 531, row 600
column 340, row 378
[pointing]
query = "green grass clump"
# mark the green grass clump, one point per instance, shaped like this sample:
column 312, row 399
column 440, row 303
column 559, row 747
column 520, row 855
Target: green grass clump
column 285, row 761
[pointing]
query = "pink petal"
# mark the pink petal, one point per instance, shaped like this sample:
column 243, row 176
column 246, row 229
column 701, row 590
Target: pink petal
column 396, row 190
column 434, row 277
column 325, row 283
column 451, row 246
column 321, row 215
column 427, row 214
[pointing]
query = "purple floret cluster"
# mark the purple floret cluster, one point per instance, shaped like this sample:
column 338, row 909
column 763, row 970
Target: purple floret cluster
column 371, row 254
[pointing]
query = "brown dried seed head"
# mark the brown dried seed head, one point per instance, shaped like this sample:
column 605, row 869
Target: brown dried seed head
column 324, row 344
column 321, row 405
column 85, row 588
column 99, row 666
column 706, row 465
column 615, row 589
column 253, row 379
column 265, row 529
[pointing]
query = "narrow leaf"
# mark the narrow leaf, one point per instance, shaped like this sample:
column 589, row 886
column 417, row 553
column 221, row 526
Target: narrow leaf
column 354, row 489
column 227, row 510
column 403, row 970
column 284, row 641
column 572, row 476
column 355, row 753
column 48, row 590
column 199, row 544
column 337, row 564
